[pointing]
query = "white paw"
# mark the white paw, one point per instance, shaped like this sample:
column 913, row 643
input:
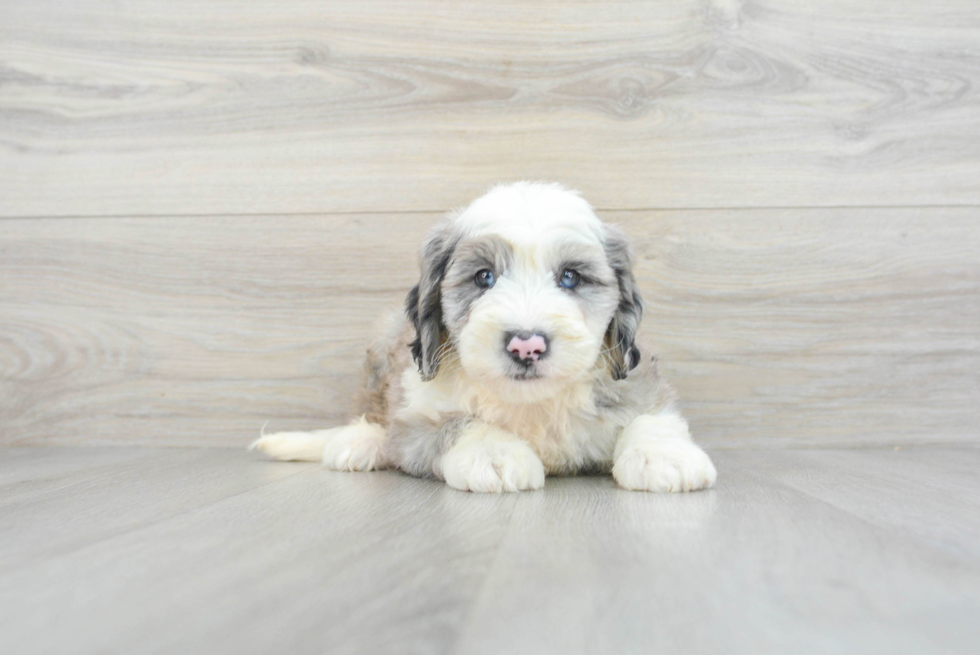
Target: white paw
column 355, row 447
column 652, row 464
column 488, row 465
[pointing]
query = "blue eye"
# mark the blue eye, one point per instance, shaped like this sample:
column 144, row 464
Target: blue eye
column 485, row 278
column 569, row 279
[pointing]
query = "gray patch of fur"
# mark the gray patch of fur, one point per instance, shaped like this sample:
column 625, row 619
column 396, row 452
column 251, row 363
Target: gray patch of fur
column 424, row 302
column 598, row 288
column 643, row 392
column 417, row 446
column 588, row 261
column 459, row 287
column 621, row 335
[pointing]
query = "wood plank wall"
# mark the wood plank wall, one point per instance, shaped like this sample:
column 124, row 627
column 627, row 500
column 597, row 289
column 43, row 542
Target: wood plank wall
column 205, row 205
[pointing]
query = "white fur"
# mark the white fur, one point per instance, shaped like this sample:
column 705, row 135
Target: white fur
column 491, row 460
column 562, row 428
column 524, row 211
column 655, row 453
column 355, row 447
column 293, row 446
column 538, row 221
column 529, row 300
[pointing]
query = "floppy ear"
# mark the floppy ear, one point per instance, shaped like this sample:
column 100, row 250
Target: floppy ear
column 621, row 335
column 424, row 302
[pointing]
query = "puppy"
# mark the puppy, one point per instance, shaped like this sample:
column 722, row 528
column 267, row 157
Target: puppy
column 516, row 358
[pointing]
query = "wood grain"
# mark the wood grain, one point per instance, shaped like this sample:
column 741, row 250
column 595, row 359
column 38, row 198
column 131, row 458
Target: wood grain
column 779, row 327
column 322, row 561
column 313, row 562
column 77, row 490
column 750, row 567
column 210, row 107
column 876, row 486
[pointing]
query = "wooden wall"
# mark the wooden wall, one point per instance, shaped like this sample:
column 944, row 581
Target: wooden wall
column 205, row 205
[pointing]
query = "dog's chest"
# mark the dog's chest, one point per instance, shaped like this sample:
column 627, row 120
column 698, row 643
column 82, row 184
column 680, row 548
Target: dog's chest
column 569, row 432
column 566, row 438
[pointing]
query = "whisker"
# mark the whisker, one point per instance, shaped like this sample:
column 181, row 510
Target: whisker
column 618, row 344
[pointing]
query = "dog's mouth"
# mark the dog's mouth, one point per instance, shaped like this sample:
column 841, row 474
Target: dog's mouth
column 524, row 372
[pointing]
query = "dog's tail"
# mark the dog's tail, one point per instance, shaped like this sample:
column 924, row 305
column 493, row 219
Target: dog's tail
column 358, row 446
column 293, row 446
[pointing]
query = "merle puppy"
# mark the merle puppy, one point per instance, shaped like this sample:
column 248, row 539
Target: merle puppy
column 516, row 358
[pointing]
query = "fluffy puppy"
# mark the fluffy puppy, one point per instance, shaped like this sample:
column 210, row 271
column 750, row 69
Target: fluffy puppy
column 516, row 358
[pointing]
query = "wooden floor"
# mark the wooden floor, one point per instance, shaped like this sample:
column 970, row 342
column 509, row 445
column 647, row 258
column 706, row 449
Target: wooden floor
column 166, row 550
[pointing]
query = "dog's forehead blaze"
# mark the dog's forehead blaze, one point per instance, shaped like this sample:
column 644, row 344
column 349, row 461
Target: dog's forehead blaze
column 530, row 233
column 548, row 252
column 530, row 214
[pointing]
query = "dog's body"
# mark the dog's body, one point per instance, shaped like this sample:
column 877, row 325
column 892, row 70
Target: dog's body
column 516, row 357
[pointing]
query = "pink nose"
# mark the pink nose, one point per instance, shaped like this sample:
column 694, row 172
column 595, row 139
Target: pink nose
column 527, row 346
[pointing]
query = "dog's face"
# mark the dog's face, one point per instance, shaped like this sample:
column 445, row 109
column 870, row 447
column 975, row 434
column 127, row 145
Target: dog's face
column 529, row 288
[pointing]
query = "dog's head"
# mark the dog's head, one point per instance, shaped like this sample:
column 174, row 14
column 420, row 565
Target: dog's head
column 530, row 289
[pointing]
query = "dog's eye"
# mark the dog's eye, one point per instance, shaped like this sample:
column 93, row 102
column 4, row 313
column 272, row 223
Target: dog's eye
column 485, row 278
column 569, row 279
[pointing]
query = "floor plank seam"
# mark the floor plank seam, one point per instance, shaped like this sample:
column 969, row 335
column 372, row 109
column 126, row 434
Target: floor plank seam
column 893, row 532
column 455, row 645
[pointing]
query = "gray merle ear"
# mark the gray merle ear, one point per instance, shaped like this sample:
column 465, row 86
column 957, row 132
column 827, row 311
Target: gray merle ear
column 621, row 334
column 424, row 302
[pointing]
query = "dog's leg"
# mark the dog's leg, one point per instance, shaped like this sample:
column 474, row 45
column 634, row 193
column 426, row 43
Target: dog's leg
column 359, row 446
column 488, row 459
column 655, row 453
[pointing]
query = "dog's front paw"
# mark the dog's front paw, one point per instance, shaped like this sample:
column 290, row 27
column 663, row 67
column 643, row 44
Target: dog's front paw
column 651, row 464
column 488, row 465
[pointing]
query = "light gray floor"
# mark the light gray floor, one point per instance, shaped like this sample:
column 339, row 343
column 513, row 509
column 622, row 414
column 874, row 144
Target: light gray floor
column 138, row 550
